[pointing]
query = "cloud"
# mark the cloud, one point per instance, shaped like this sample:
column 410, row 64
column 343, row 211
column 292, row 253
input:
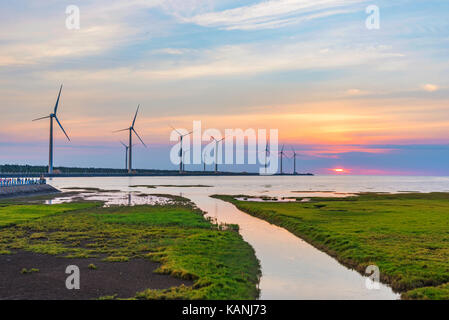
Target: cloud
column 259, row 58
column 237, row 60
column 171, row 51
column 272, row 14
column 430, row 87
column 44, row 38
column 83, row 42
column 186, row 8
column 354, row 92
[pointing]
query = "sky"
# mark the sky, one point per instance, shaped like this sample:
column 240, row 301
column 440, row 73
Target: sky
column 370, row 101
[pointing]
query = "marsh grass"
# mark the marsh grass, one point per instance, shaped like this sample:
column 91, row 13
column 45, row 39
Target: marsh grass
column 405, row 235
column 13, row 214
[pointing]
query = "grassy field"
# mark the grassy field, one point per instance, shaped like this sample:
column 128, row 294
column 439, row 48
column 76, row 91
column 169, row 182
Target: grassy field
column 188, row 246
column 405, row 235
column 14, row 214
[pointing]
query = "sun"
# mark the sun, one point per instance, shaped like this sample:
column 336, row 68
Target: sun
column 339, row 170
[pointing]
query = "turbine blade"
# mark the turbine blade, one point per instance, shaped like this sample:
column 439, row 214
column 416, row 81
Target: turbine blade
column 188, row 134
column 57, row 101
column 124, row 144
column 139, row 137
column 217, row 141
column 135, row 116
column 41, row 118
column 121, row 130
column 175, row 130
column 60, row 125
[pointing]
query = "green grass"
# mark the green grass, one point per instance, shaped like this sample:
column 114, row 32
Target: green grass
column 429, row 293
column 161, row 216
column 27, row 271
column 219, row 262
column 13, row 214
column 405, row 235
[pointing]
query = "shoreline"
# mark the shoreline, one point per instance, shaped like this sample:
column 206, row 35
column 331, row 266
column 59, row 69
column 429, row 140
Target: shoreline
column 166, row 174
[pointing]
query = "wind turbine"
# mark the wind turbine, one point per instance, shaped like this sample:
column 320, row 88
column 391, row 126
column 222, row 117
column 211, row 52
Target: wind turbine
column 51, row 117
column 181, row 155
column 126, row 154
column 281, row 153
column 216, row 152
column 130, row 145
column 294, row 161
column 267, row 152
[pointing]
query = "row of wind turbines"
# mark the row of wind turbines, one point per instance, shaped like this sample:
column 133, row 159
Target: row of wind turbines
column 182, row 152
column 282, row 154
column 53, row 115
column 129, row 147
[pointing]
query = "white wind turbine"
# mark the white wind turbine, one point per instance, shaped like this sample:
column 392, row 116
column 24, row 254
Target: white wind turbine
column 294, row 161
column 51, row 117
column 267, row 152
column 181, row 154
column 216, row 152
column 281, row 153
column 130, row 145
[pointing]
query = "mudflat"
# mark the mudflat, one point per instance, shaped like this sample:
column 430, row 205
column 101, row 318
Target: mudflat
column 97, row 278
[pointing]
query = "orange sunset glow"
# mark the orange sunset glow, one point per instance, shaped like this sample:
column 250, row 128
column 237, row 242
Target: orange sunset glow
column 340, row 170
column 371, row 101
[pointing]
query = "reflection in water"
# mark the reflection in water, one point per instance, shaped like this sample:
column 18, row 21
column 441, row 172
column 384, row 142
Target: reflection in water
column 255, row 199
column 292, row 269
column 112, row 198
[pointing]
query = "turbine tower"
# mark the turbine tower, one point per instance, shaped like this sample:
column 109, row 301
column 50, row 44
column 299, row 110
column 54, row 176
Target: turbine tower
column 281, row 153
column 126, row 154
column 294, row 161
column 267, row 152
column 51, row 117
column 204, row 162
column 181, row 154
column 130, row 145
column 216, row 152
column 183, row 162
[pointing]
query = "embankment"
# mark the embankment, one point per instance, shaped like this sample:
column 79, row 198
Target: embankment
column 26, row 190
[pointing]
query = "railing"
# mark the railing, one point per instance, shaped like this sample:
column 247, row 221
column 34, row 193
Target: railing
column 9, row 182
